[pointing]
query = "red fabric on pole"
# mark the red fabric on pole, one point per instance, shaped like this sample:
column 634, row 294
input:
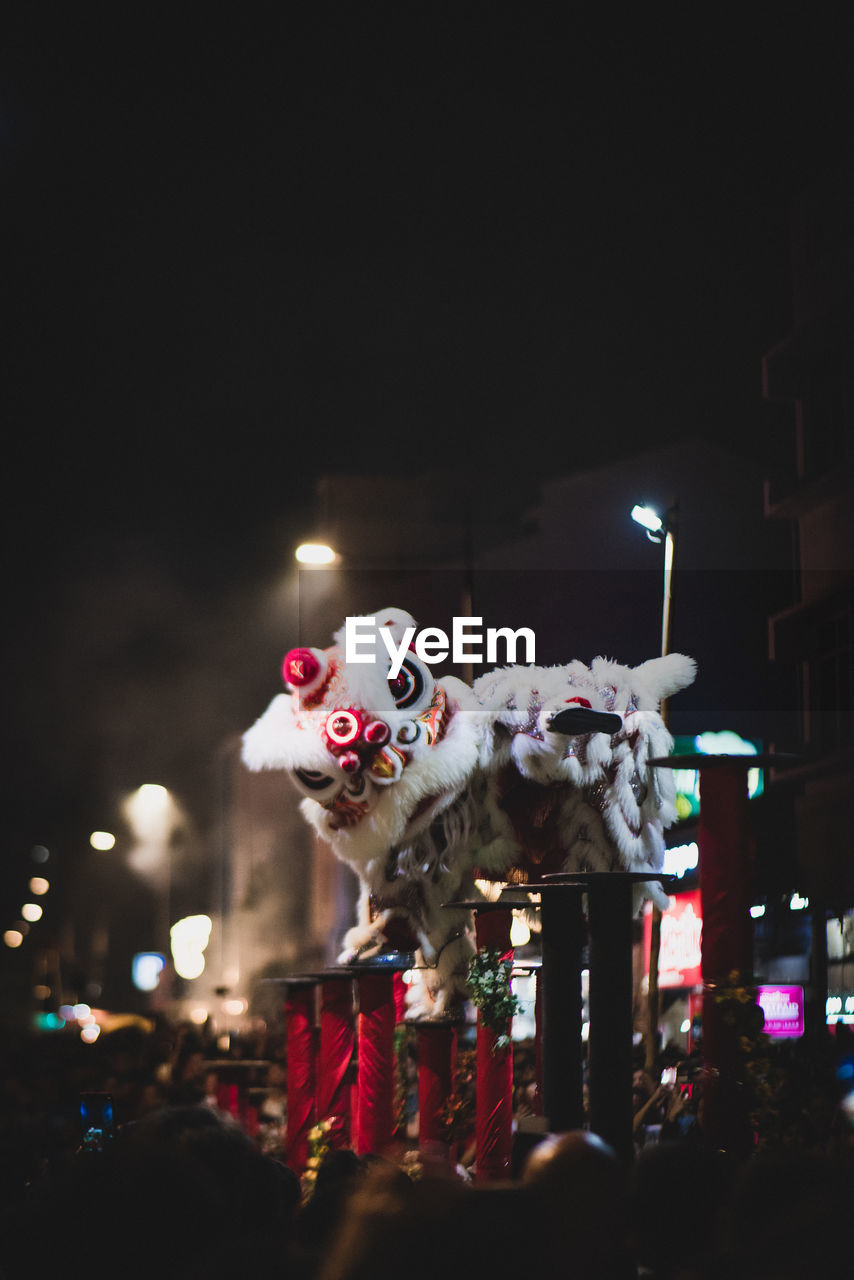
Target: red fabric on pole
column 227, row 1099
column 493, row 929
column 374, row 1118
column 437, row 1052
column 494, row 1098
column 494, row 1108
column 301, row 1113
column 337, row 1043
column 726, row 879
column 726, row 872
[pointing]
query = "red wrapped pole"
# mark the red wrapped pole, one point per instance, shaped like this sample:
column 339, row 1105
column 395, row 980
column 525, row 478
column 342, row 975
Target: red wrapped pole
column 337, row 1043
column 726, row 876
column 437, row 1053
column 494, row 1098
column 301, row 1112
column 374, row 1119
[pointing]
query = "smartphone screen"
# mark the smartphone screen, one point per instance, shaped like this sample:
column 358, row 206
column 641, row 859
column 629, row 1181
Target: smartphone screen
column 668, row 1076
column 96, row 1120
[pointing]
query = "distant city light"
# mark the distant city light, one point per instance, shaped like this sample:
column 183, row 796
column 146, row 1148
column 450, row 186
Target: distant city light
column 31, row 911
column 520, row 933
column 797, row 903
column 681, row 858
column 146, row 968
column 724, row 743
column 39, row 853
column 648, row 518
column 13, row 938
column 102, row 840
column 758, row 911
column 48, row 1021
column 315, row 553
column 188, row 939
column 685, row 1026
column 40, row 991
column 199, row 1016
column 38, row 885
column 153, row 794
column 235, row 1007
column 89, row 1034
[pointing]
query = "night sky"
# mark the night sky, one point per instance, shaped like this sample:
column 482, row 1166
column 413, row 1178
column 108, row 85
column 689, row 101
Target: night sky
column 247, row 247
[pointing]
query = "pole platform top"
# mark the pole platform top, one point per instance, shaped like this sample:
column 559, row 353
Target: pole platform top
column 588, row 879
column 481, row 904
column 698, row 760
column 388, row 962
column 440, row 1023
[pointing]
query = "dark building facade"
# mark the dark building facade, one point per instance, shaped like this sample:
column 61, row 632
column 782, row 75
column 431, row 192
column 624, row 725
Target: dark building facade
column 808, row 377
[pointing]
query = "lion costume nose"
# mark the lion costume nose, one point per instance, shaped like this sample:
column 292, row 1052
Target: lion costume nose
column 352, row 738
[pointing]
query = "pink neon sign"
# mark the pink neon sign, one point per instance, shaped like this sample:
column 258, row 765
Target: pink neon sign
column 784, row 1010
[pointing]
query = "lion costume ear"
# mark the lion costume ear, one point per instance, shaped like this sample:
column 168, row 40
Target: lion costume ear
column 662, row 677
column 397, row 620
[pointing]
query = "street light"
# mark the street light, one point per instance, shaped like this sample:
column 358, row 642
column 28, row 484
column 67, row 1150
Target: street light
column 662, row 529
column 659, row 529
column 315, row 554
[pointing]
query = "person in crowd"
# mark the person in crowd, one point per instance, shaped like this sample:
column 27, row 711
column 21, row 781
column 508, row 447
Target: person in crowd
column 677, row 1192
column 788, row 1215
column 183, row 1192
column 649, row 1102
column 582, row 1188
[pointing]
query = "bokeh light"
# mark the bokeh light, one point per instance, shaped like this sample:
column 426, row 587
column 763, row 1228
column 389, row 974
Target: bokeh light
column 188, row 939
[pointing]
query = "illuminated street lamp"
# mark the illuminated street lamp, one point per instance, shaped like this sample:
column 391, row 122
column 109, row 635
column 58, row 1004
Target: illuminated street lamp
column 315, row 555
column 660, row 529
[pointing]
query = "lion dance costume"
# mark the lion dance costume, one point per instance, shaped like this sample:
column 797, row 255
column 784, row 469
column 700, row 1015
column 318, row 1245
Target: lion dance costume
column 424, row 786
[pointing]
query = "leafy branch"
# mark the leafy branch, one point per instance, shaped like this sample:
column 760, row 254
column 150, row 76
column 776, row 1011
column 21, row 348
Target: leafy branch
column 491, row 993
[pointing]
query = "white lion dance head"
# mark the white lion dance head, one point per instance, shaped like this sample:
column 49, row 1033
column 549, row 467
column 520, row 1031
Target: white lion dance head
column 422, row 786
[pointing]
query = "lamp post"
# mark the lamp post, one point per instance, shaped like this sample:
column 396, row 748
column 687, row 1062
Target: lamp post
column 660, row 529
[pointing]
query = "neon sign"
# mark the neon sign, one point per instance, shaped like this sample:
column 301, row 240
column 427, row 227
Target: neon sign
column 710, row 744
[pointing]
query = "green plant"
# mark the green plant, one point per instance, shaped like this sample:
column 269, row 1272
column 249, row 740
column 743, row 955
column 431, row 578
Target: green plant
column 492, row 994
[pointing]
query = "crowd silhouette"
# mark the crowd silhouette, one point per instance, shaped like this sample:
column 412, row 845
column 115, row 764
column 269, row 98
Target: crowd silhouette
column 182, row 1186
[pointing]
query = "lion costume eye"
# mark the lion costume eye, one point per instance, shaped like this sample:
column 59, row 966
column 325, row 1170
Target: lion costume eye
column 412, row 687
column 315, row 784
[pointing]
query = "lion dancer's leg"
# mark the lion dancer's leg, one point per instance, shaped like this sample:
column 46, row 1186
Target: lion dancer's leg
column 440, row 980
column 367, row 937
